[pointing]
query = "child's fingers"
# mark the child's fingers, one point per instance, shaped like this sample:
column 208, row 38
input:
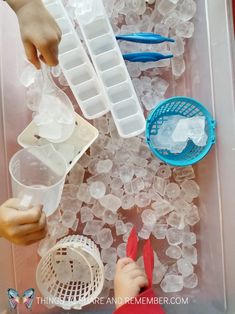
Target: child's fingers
column 31, row 53
column 34, row 237
column 31, row 228
column 50, row 53
column 30, row 216
column 141, row 281
column 130, row 267
column 123, row 262
column 136, row 273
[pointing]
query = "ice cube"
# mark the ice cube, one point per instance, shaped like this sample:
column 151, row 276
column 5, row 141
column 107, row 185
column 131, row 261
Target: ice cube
column 145, row 232
column 189, row 238
column 162, row 208
column 173, row 190
column 98, row 210
column 174, row 251
column 159, row 231
column 128, row 201
column 111, row 202
column 109, row 255
column 83, row 193
column 76, row 175
column 28, row 76
column 137, row 185
column 45, row 245
column 183, row 173
column 178, row 66
column 126, row 174
column 191, row 188
column 110, row 217
column 142, row 199
column 71, row 204
column 177, row 48
column 187, row 9
column 185, row 267
column 68, row 218
column 132, row 18
column 148, row 217
column 174, row 236
column 93, row 227
column 109, row 271
column 192, row 217
column 176, row 220
column 185, row 29
column 190, row 253
column 105, row 238
column 159, row 86
column 172, row 19
column 159, row 272
column 104, row 166
column 84, row 160
column 196, row 130
column 121, row 250
column 116, row 184
column 181, row 206
column 181, row 132
column 191, row 281
column 172, row 283
column 166, row 6
column 97, row 189
column 120, row 227
column 86, row 214
column 159, row 185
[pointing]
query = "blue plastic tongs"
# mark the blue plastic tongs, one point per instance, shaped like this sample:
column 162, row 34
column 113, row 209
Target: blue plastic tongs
column 145, row 38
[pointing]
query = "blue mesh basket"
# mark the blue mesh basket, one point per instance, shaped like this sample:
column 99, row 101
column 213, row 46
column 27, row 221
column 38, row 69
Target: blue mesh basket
column 186, row 107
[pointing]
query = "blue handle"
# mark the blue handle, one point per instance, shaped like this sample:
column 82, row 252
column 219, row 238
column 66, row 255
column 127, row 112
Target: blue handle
column 145, row 56
column 144, row 38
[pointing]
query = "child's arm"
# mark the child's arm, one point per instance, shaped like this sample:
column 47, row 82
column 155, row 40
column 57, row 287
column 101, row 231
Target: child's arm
column 21, row 227
column 39, row 31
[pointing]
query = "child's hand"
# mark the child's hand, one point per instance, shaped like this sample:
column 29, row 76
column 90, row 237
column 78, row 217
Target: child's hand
column 39, row 32
column 22, row 227
column 129, row 280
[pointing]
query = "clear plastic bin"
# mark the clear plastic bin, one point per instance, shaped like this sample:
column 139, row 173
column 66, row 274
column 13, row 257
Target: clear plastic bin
column 210, row 79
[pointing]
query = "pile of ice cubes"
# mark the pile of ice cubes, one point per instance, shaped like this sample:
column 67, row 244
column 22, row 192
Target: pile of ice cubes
column 176, row 131
column 119, row 184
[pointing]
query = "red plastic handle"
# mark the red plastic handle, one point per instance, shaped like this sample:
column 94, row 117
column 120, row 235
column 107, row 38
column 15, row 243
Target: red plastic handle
column 132, row 245
column 148, row 261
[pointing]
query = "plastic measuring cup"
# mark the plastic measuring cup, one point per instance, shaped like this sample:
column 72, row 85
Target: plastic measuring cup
column 37, row 177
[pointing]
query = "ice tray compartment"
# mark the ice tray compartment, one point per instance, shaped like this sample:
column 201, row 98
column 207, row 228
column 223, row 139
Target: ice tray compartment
column 96, row 29
column 119, row 92
column 102, row 44
column 76, row 65
column 107, row 60
column 125, row 109
column 114, row 76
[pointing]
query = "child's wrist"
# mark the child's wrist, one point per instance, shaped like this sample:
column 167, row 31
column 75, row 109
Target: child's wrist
column 17, row 5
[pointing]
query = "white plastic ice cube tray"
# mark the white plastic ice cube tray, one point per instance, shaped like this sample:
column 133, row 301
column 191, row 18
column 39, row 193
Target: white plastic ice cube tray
column 111, row 69
column 77, row 67
column 83, row 136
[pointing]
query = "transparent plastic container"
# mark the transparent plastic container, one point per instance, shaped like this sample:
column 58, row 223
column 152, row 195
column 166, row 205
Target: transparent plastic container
column 210, row 79
column 38, row 176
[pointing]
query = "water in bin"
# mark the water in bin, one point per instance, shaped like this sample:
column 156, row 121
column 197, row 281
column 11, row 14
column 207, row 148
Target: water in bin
column 37, row 177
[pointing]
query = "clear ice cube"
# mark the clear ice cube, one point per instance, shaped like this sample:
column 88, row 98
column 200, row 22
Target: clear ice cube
column 174, row 251
column 105, row 238
column 97, row 189
column 172, row 284
column 111, row 202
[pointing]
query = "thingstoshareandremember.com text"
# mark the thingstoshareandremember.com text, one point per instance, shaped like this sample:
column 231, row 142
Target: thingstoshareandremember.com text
column 115, row 301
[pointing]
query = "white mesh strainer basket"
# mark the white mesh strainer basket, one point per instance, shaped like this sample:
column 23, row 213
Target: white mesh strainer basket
column 71, row 274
